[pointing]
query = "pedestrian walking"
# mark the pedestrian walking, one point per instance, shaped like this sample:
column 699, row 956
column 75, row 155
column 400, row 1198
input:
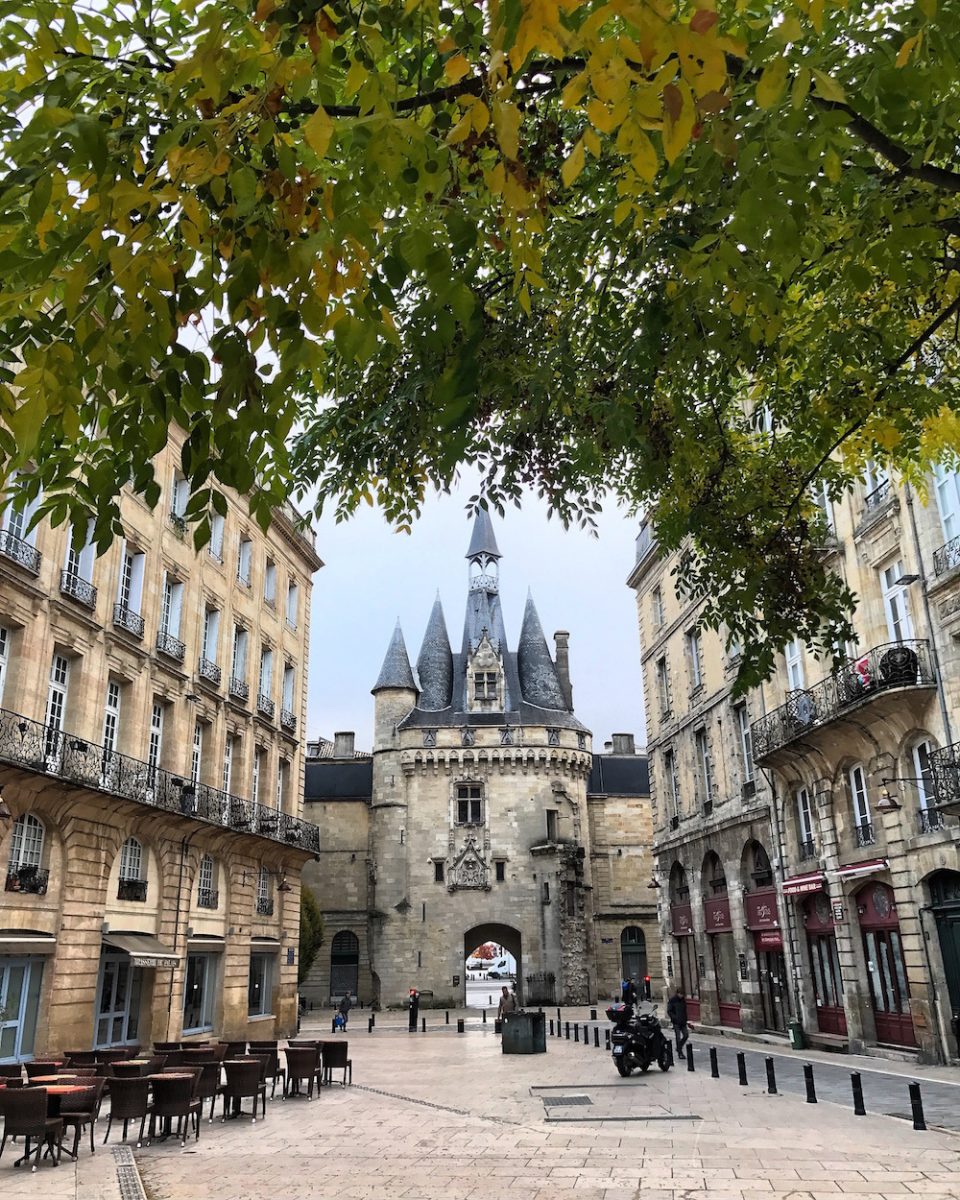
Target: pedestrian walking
column 508, row 1003
column 414, row 1003
column 344, row 1010
column 677, row 1012
column 628, row 991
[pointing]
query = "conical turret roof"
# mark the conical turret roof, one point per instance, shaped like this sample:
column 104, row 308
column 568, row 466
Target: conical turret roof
column 435, row 663
column 538, row 676
column 396, row 671
column 483, row 541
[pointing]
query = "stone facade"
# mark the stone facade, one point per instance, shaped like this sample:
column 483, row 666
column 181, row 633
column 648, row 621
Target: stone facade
column 477, row 821
column 854, row 786
column 150, row 760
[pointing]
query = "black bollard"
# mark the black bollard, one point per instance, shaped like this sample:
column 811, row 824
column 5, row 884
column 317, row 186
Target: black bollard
column 484, row 1016
column 771, row 1078
column 497, row 1025
column 459, row 1024
column 596, row 1036
column 593, row 1014
column 714, row 1065
column 540, row 1010
column 551, row 1026
column 447, row 1016
column 370, row 1025
column 670, row 1058
column 690, row 1066
column 606, row 1039
column 808, row 1081
column 558, row 1018
column 916, row 1104
column 423, row 1024
column 373, row 1020
column 333, row 1025
column 586, row 1035
column 857, row 1086
column 566, row 1030
column 742, row 1068
column 576, row 1032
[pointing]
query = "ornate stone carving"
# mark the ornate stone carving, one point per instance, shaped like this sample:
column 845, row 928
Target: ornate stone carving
column 469, row 871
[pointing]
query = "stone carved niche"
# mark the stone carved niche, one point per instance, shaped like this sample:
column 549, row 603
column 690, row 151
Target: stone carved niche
column 469, row 871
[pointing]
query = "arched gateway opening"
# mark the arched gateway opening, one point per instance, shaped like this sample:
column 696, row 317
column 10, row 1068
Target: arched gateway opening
column 485, row 995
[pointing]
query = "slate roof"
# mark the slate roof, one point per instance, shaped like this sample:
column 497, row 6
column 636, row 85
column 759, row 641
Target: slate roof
column 483, row 539
column 538, row 676
column 338, row 779
column 396, row 671
column 435, row 663
column 619, row 775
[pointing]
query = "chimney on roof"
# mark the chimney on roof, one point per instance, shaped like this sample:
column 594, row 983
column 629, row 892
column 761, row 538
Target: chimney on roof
column 623, row 743
column 343, row 745
column 608, row 747
column 562, row 661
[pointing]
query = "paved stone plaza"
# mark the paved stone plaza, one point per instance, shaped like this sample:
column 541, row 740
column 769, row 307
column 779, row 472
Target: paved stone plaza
column 447, row 1117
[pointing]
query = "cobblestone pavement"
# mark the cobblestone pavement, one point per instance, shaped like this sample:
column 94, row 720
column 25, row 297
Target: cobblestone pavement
column 443, row 1116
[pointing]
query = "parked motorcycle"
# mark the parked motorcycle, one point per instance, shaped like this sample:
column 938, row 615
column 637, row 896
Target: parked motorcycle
column 637, row 1039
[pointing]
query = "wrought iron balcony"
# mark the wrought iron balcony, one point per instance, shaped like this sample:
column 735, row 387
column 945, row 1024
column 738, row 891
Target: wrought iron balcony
column 239, row 688
column 858, row 681
column 28, row 879
column 265, row 706
column 878, row 497
column 132, row 889
column 945, row 769
column 208, row 898
column 170, row 646
column 125, row 618
column 78, row 589
column 21, row 552
column 930, row 820
column 865, row 834
column 806, row 850
column 179, row 523
column 288, row 720
column 50, row 751
column 265, row 906
column 947, row 558
column 209, row 671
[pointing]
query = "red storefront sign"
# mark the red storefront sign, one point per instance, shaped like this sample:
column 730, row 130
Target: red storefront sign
column 761, row 909
column 681, row 919
column 768, row 939
column 799, row 885
column 716, row 915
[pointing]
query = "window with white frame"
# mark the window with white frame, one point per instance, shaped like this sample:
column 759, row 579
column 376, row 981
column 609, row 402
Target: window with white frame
column 821, row 497
column 260, row 985
column 229, row 748
column 947, row 486
column 896, row 603
column 875, row 477
column 283, row 784
column 179, row 495
column 199, row 992
column 211, row 635
column 26, row 846
column 196, row 757
column 663, row 686
column 238, row 667
column 673, row 790
column 693, row 658
column 656, row 604
column 155, row 742
column 56, row 704
column 804, row 817
column 78, row 560
column 858, row 796
column 793, row 657
column 245, row 560
column 266, row 672
column 469, row 804
column 18, row 514
column 206, row 883
column 131, row 860
column 293, row 604
column 215, row 545
column 270, row 583
column 288, row 685
column 704, row 765
column 111, row 729
column 264, row 891
column 746, row 741
column 920, row 753
column 130, row 588
column 258, row 765
column 171, row 608
column 4, row 653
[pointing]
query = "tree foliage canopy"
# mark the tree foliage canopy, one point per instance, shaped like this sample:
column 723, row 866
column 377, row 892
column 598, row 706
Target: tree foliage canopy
column 702, row 255
column 311, row 932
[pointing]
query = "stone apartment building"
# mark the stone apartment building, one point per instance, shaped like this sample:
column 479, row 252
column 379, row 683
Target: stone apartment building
column 152, row 703
column 851, row 768
column 475, row 818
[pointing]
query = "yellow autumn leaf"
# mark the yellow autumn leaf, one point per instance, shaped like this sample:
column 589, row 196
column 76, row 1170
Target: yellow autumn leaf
column 574, row 164
column 907, row 49
column 592, row 142
column 801, row 86
column 455, row 68
column 462, row 130
column 678, row 121
column 828, row 88
column 831, row 165
column 479, row 116
column 622, row 211
column 600, row 116
column 318, row 130
column 643, row 158
column 772, row 83
column 446, row 44
column 506, row 120
column 515, row 194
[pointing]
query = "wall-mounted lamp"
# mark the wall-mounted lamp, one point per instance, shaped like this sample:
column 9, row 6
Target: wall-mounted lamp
column 906, row 580
column 5, row 813
column 654, row 882
column 283, row 886
column 888, row 802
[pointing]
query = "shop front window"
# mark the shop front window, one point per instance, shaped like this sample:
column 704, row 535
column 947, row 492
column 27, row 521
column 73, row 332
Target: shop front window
column 198, row 993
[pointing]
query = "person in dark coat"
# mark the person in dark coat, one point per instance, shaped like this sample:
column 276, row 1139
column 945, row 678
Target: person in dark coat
column 628, row 992
column 677, row 1012
column 414, row 1003
column 345, row 1005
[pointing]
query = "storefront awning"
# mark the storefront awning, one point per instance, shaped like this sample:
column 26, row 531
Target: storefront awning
column 869, row 866
column 144, row 949
column 26, row 941
column 798, row 885
column 205, row 941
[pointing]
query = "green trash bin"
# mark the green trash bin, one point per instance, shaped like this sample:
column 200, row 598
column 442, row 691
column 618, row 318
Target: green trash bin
column 524, row 1033
column 795, row 1033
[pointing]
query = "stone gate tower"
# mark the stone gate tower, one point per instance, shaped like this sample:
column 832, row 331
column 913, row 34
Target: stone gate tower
column 478, row 818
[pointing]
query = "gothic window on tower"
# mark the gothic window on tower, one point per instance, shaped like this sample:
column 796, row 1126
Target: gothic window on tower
column 438, row 865
column 469, row 804
column 485, row 685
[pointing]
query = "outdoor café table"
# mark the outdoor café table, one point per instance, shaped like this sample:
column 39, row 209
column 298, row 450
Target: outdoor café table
column 43, row 1080
column 140, row 1065
column 54, row 1095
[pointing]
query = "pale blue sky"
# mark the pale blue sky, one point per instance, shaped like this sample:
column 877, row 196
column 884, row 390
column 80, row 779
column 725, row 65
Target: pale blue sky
column 373, row 576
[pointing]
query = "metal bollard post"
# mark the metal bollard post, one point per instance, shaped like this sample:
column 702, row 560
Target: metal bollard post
column 690, row 1066
column 576, row 1032
column 593, row 1014
column 490, row 1001
column 333, row 1024
column 558, row 1018
column 484, row 1016
column 670, row 1057
column 916, row 1104
column 606, row 1039
column 808, row 1081
column 459, row 1024
column 586, row 1035
column 566, row 1030
column 771, row 1078
column 447, row 1016
column 857, row 1086
column 714, row 1065
column 423, row 1024
column 551, row 1026
column 370, row 1025
column 373, row 1020
column 596, row 1036
column 742, row 1068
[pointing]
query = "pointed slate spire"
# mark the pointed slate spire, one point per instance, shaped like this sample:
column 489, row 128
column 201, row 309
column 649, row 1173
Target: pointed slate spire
column 435, row 663
column 538, row 676
column 483, row 541
column 396, row 671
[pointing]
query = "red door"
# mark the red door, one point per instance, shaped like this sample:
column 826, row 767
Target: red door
column 824, row 965
column 883, row 948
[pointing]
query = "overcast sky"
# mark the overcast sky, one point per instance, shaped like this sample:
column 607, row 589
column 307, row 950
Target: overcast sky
column 373, row 576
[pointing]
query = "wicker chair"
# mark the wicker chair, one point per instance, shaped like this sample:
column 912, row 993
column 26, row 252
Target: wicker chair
column 335, row 1059
column 174, row 1097
column 40, row 1066
column 234, row 1049
column 25, row 1115
column 244, row 1079
column 208, row 1084
column 11, row 1071
column 272, row 1068
column 82, row 1108
column 303, row 1062
column 129, row 1099
column 165, row 1047
column 81, row 1058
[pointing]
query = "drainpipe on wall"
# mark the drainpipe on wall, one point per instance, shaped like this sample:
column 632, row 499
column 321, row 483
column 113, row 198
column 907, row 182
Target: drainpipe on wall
column 934, row 653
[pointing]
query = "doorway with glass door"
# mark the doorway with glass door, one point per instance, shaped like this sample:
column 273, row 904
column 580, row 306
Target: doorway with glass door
column 118, row 1001
column 19, row 1004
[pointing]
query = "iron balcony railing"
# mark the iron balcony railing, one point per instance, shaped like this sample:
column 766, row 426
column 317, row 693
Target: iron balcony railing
column 208, row 898
column 132, row 889
column 239, row 688
column 806, row 850
column 891, row 665
column 878, row 497
column 209, row 671
column 179, row 523
column 170, row 646
column 265, row 906
column 21, row 552
column 288, row 720
column 930, row 820
column 126, row 618
column 28, row 879
column 865, row 833
column 947, row 558
column 945, row 769
column 78, row 589
column 265, row 706
column 49, row 751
